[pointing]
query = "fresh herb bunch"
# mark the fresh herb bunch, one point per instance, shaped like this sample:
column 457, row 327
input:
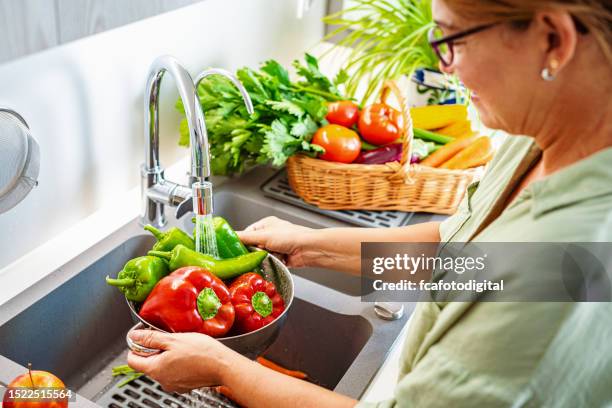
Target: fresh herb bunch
column 388, row 39
column 287, row 113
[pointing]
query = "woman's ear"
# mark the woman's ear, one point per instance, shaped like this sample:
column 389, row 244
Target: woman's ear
column 558, row 40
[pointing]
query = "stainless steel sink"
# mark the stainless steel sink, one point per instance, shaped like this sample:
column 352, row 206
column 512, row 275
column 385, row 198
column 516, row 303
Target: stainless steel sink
column 72, row 324
column 242, row 203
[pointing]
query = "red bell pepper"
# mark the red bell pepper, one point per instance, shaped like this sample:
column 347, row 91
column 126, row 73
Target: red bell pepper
column 190, row 299
column 256, row 301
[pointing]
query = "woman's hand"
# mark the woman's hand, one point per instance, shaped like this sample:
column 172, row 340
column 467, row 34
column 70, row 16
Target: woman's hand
column 188, row 360
column 192, row 360
column 289, row 242
column 330, row 248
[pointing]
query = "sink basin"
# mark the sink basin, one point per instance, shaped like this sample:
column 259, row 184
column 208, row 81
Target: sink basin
column 72, row 324
column 78, row 328
column 242, row 203
column 75, row 330
column 241, row 211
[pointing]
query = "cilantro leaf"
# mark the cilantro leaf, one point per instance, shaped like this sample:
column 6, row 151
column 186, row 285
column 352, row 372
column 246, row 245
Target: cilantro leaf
column 287, row 114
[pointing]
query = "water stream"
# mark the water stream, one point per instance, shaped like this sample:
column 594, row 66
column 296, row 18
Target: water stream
column 205, row 239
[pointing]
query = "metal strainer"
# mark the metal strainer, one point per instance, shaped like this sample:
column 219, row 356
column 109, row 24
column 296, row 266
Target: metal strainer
column 250, row 344
column 19, row 159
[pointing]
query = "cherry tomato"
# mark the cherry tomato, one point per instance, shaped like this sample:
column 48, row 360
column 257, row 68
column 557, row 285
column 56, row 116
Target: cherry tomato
column 343, row 113
column 380, row 124
column 341, row 144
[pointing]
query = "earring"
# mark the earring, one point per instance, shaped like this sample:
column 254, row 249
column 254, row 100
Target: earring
column 547, row 74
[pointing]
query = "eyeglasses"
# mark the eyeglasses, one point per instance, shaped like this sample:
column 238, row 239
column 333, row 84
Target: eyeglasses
column 443, row 46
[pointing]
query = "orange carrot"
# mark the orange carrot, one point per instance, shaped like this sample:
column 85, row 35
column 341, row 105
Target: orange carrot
column 476, row 154
column 447, row 151
column 273, row 366
column 227, row 392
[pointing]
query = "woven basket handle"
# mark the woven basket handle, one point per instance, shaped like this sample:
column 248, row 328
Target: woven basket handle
column 390, row 88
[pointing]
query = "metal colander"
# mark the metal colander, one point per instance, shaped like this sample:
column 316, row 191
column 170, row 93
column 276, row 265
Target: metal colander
column 19, row 159
column 249, row 344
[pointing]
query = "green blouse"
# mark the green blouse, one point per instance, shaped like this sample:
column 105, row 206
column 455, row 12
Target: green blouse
column 542, row 354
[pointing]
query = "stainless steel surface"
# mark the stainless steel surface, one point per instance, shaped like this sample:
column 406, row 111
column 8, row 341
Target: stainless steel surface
column 389, row 310
column 19, row 159
column 249, row 344
column 144, row 392
column 218, row 71
column 278, row 187
column 202, row 198
column 136, row 347
column 156, row 191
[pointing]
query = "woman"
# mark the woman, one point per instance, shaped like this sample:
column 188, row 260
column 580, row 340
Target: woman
column 540, row 68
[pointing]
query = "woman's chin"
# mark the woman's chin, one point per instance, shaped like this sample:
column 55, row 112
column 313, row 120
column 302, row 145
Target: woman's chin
column 483, row 114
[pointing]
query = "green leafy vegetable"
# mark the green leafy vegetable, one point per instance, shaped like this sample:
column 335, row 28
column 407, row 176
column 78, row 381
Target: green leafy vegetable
column 287, row 114
column 387, row 39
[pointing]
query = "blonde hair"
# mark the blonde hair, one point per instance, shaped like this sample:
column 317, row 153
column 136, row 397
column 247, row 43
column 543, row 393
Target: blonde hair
column 590, row 16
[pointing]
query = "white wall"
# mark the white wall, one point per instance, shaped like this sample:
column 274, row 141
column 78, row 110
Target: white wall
column 84, row 102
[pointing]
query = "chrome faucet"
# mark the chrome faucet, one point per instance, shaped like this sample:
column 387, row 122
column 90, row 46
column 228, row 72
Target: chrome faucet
column 156, row 191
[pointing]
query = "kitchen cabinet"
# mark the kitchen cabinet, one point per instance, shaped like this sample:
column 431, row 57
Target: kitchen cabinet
column 26, row 26
column 29, row 26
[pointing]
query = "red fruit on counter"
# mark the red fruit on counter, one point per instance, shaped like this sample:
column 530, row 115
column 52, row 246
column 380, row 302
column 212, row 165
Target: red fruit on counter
column 36, row 389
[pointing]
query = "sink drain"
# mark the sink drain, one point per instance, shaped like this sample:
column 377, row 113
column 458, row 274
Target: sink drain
column 278, row 187
column 146, row 393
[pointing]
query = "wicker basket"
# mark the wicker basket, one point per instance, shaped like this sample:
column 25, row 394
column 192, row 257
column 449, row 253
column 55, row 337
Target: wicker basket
column 391, row 186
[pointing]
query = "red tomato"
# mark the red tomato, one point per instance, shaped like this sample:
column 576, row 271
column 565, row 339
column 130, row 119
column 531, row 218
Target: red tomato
column 380, row 124
column 341, row 144
column 42, row 379
column 343, row 113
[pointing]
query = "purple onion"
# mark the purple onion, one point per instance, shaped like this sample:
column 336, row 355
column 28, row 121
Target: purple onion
column 385, row 154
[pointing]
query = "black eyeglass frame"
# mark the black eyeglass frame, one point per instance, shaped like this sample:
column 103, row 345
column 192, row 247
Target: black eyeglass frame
column 450, row 39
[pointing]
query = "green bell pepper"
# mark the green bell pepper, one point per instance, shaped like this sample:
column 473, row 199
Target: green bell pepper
column 182, row 256
column 166, row 241
column 139, row 276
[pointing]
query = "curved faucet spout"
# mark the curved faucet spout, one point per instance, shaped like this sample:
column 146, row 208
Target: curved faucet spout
column 248, row 103
column 198, row 137
column 156, row 190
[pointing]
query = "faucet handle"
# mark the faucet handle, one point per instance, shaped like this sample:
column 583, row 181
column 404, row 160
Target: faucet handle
column 184, row 207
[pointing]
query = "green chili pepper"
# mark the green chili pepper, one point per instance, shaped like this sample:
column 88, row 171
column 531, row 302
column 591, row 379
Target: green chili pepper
column 139, row 276
column 182, row 256
column 228, row 243
column 166, row 241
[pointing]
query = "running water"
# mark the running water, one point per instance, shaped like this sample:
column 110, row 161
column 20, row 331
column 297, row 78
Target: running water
column 205, row 239
column 206, row 243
